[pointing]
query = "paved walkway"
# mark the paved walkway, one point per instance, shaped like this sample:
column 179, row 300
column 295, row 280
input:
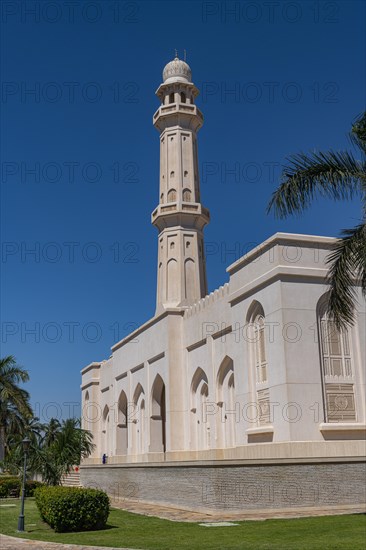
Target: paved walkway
column 177, row 514
column 13, row 543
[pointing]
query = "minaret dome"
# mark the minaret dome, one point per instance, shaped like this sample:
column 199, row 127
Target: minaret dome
column 177, row 71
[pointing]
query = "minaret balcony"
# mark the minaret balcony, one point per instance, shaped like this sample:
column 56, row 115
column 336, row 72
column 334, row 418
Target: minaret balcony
column 177, row 111
column 186, row 213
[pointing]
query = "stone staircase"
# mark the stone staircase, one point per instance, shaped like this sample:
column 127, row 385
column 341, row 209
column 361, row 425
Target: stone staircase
column 72, row 479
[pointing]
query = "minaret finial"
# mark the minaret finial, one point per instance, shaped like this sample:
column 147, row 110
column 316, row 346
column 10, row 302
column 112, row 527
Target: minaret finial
column 176, row 53
column 185, row 55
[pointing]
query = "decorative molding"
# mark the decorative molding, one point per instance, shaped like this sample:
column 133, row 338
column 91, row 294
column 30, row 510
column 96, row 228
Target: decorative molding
column 267, row 429
column 90, row 383
column 156, row 357
column 282, row 239
column 89, row 367
column 139, row 367
column 342, row 427
column 277, row 274
column 120, row 376
column 222, row 332
column 197, row 345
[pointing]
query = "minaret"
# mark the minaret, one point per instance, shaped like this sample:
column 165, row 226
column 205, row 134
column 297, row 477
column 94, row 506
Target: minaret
column 179, row 217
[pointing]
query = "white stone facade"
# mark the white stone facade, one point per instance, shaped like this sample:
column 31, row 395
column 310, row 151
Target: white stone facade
column 253, row 370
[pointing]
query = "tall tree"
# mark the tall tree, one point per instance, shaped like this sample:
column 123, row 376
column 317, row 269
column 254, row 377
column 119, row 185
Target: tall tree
column 14, row 400
column 339, row 176
column 70, row 445
column 51, row 431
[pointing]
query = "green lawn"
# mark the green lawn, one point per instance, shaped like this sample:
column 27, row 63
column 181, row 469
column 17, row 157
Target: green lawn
column 135, row 531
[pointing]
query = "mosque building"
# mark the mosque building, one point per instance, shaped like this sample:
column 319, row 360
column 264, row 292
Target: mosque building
column 249, row 382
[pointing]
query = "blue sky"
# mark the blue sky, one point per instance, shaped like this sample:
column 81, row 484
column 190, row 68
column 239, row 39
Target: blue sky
column 80, row 157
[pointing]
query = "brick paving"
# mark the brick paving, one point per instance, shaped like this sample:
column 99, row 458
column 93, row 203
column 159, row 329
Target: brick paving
column 175, row 514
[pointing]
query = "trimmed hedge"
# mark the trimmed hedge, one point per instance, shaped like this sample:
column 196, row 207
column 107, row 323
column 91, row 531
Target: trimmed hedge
column 72, row 508
column 11, row 486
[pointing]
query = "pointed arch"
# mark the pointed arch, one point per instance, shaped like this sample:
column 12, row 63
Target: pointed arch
column 257, row 341
column 105, row 436
column 226, row 368
column 122, row 425
column 86, row 411
column 138, row 422
column 226, row 420
column 199, row 421
column 137, row 393
column 158, row 416
column 172, row 282
column 172, row 193
column 256, row 337
column 189, row 280
column 198, row 376
column 254, row 309
column 105, row 412
column 187, row 193
column 337, row 368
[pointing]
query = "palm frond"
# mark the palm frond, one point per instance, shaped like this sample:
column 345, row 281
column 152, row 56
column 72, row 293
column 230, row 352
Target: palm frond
column 347, row 269
column 358, row 132
column 334, row 175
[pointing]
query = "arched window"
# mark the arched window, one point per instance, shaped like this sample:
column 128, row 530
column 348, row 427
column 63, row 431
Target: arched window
column 86, row 412
column 172, row 195
column 258, row 360
column 183, row 97
column 138, row 421
column 171, row 98
column 105, row 432
column 260, row 349
column 187, row 195
column 158, row 416
column 122, row 425
column 226, row 401
column 200, row 419
column 337, row 368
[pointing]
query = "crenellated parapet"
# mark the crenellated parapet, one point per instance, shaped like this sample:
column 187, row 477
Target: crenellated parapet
column 207, row 301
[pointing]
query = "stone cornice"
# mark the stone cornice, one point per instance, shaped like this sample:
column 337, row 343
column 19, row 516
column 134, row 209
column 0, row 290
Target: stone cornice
column 291, row 239
column 278, row 273
column 148, row 324
column 91, row 366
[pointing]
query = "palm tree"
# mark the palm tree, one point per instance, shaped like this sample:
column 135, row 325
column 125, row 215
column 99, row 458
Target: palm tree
column 339, row 176
column 14, row 400
column 33, row 429
column 51, row 431
column 69, row 446
column 53, row 457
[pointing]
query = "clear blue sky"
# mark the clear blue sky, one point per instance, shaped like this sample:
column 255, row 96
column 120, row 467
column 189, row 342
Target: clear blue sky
column 296, row 72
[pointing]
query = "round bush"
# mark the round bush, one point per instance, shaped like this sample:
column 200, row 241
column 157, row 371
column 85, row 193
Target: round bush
column 72, row 508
